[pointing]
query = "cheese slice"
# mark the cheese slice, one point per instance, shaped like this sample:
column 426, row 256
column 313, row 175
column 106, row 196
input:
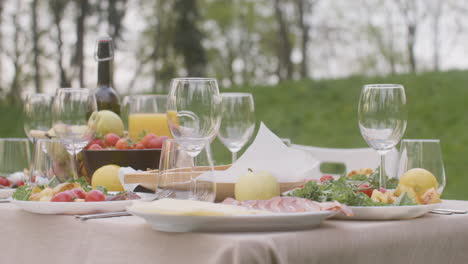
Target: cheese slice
column 190, row 207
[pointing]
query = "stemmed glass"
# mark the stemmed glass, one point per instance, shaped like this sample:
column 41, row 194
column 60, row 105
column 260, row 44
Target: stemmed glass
column 238, row 121
column 14, row 158
column 382, row 117
column 71, row 109
column 193, row 111
column 37, row 118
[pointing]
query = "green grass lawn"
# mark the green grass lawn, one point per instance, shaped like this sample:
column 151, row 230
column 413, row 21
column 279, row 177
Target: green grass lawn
column 324, row 113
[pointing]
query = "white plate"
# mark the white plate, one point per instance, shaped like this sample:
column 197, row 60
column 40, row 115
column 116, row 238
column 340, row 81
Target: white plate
column 6, row 193
column 270, row 222
column 77, row 208
column 388, row 212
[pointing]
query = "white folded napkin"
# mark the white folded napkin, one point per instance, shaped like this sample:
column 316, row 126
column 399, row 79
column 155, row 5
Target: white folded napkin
column 122, row 172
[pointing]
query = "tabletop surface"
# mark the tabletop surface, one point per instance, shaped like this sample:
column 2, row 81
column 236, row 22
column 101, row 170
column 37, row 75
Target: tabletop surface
column 32, row 238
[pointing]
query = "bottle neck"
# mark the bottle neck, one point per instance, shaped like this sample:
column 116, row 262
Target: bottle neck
column 105, row 73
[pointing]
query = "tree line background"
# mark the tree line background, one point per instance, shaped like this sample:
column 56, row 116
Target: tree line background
column 50, row 44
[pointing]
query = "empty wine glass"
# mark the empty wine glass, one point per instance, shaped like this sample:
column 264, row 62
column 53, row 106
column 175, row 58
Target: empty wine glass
column 14, row 158
column 193, row 111
column 237, row 122
column 183, row 177
column 382, row 117
column 70, row 111
column 37, row 118
column 425, row 154
column 50, row 161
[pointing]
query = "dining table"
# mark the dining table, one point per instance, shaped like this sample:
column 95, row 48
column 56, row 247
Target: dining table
column 34, row 238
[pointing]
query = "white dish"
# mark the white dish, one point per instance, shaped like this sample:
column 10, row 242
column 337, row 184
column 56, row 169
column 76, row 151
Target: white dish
column 387, row 212
column 6, row 193
column 77, row 208
column 252, row 223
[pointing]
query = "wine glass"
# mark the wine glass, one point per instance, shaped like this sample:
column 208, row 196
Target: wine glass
column 182, row 176
column 147, row 113
column 71, row 109
column 425, row 154
column 382, row 117
column 237, row 122
column 50, row 161
column 125, row 109
column 14, row 158
column 193, row 111
column 37, row 118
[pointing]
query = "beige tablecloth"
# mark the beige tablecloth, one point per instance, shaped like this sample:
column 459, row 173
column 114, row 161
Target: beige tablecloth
column 34, row 239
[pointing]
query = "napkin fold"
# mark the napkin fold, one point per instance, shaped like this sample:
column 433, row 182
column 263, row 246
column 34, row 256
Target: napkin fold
column 268, row 153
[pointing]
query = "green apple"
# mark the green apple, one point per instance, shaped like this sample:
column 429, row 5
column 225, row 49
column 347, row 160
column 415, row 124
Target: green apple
column 259, row 185
column 106, row 121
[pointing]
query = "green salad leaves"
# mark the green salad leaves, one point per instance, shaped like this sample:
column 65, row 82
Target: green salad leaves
column 22, row 193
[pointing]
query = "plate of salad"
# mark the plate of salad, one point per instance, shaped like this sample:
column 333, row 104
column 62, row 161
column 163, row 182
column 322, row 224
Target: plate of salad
column 361, row 194
column 73, row 197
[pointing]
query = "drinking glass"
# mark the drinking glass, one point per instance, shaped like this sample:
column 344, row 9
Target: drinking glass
column 382, row 117
column 147, row 113
column 37, row 115
column 182, row 176
column 425, row 154
column 50, row 161
column 237, row 122
column 14, row 158
column 71, row 109
column 193, row 111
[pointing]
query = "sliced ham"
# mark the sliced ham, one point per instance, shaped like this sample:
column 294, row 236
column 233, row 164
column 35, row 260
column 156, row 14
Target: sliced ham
column 290, row 204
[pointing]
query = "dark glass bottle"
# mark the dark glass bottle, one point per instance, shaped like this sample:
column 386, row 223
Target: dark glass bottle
column 106, row 97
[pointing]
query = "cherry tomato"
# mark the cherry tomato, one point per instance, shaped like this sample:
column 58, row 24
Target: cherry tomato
column 155, row 143
column 111, row 139
column 95, row 141
column 146, row 139
column 365, row 189
column 122, row 144
column 4, row 181
column 95, row 147
column 326, row 178
column 139, row 146
column 62, row 197
column 95, row 196
column 79, row 193
column 382, row 190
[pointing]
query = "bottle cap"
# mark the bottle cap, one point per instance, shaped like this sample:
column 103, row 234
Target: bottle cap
column 104, row 50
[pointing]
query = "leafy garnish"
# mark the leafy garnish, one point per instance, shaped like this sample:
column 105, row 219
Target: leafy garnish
column 83, row 183
column 358, row 177
column 404, row 199
column 141, row 135
column 22, row 193
column 102, row 189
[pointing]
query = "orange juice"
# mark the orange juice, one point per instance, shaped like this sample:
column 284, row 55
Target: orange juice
column 151, row 123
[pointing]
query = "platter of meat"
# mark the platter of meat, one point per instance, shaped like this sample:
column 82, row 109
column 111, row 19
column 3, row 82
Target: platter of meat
column 276, row 214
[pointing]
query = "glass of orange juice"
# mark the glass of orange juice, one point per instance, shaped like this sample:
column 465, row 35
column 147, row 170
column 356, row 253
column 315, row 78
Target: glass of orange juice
column 147, row 113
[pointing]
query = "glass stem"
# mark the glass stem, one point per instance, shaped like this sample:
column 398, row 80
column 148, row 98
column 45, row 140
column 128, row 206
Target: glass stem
column 234, row 157
column 75, row 164
column 382, row 176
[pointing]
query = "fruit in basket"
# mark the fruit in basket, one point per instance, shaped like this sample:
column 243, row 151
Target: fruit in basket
column 419, row 179
column 95, row 147
column 124, row 143
column 108, row 177
column 111, row 139
column 106, row 121
column 256, row 186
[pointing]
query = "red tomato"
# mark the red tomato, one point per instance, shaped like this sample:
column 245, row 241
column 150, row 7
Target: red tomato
column 365, row 189
column 111, row 139
column 146, row 139
column 62, row 197
column 4, row 181
column 139, row 146
column 122, row 144
column 95, row 141
column 326, row 178
column 382, row 190
column 95, row 196
column 79, row 193
column 95, row 147
column 155, row 143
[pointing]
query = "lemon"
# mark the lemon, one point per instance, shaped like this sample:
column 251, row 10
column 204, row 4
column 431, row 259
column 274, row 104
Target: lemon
column 108, row 177
column 420, row 180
